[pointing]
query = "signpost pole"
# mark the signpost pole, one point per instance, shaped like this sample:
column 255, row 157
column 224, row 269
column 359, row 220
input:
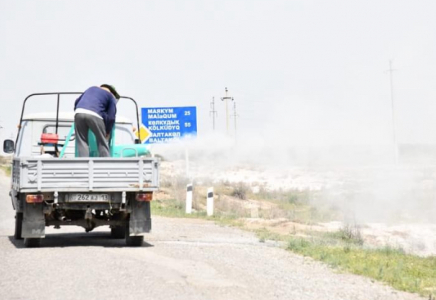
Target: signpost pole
column 187, row 160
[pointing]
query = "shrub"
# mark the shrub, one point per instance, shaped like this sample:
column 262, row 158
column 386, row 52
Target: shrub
column 240, row 191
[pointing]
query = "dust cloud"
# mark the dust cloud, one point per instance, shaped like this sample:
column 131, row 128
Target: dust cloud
column 347, row 157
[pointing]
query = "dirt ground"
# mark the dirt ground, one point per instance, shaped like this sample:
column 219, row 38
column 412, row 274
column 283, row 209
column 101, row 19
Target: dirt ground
column 390, row 206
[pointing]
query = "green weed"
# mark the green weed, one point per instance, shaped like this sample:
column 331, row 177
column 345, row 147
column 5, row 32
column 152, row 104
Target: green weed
column 402, row 271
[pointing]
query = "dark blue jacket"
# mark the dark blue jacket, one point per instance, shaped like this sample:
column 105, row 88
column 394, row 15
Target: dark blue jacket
column 101, row 102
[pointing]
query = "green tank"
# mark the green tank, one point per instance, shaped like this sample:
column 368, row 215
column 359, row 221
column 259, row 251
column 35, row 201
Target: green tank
column 126, row 150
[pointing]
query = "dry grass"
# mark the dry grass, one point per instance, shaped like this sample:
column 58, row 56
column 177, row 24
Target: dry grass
column 6, row 169
column 239, row 201
column 5, row 160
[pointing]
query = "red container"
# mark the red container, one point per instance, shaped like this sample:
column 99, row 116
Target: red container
column 49, row 138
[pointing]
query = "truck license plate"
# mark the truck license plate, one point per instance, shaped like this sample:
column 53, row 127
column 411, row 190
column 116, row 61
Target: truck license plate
column 88, row 197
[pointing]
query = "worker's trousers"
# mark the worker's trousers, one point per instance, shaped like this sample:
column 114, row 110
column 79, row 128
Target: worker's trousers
column 84, row 123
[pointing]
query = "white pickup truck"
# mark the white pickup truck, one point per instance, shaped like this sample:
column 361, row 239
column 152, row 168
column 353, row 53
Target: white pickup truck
column 53, row 187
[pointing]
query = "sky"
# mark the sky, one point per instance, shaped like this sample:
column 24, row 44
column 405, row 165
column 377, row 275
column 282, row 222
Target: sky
column 301, row 72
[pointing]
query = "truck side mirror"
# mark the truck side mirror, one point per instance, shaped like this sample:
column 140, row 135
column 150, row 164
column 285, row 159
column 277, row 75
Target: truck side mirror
column 8, row 146
column 137, row 141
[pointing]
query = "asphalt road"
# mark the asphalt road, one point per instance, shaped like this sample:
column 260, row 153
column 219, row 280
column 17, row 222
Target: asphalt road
column 182, row 259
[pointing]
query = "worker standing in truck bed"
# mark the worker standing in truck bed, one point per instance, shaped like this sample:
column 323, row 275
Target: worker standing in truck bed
column 95, row 110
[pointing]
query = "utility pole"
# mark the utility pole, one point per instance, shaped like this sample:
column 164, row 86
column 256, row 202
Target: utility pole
column 226, row 98
column 235, row 115
column 213, row 112
column 391, row 70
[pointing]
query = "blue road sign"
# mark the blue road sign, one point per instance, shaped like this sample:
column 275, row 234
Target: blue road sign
column 167, row 124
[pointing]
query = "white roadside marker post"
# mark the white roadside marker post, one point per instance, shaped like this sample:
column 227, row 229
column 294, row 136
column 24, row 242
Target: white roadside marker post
column 210, row 201
column 189, row 198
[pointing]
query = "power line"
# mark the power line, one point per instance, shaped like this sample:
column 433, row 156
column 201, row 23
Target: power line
column 226, row 98
column 213, row 112
column 391, row 70
column 235, row 115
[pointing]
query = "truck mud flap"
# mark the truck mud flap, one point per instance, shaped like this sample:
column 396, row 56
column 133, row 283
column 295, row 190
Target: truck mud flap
column 17, row 205
column 33, row 221
column 140, row 220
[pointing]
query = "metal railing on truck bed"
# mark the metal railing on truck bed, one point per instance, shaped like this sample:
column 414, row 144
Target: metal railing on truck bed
column 90, row 174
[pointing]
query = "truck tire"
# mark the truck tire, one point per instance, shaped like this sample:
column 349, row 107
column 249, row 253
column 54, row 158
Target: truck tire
column 32, row 242
column 133, row 241
column 118, row 232
column 18, row 226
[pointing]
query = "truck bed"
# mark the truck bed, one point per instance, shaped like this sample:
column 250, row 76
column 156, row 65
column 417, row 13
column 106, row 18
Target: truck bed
column 85, row 174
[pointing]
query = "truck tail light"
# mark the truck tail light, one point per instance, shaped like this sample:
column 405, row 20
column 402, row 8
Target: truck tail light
column 35, row 198
column 147, row 197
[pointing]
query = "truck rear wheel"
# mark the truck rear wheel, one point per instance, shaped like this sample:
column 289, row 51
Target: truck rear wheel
column 118, row 232
column 133, row 241
column 32, row 242
column 18, row 226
